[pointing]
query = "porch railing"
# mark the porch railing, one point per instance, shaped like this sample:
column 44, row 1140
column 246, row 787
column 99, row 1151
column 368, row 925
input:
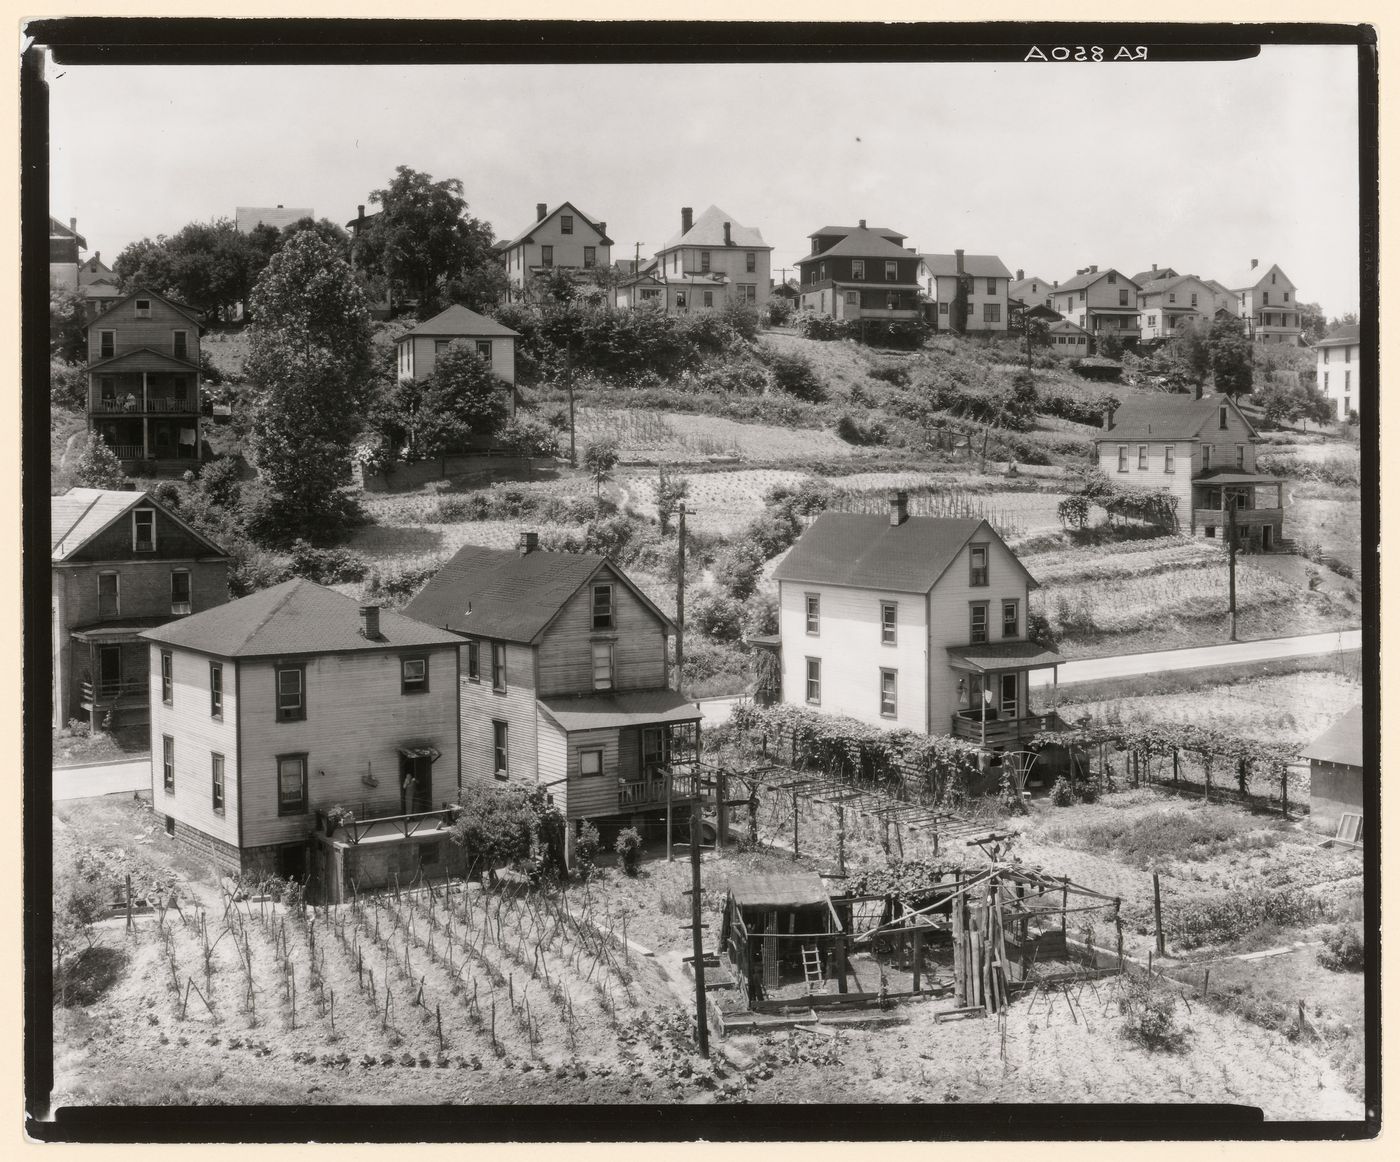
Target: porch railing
column 1220, row 517
column 112, row 690
column 154, row 405
column 129, row 451
column 969, row 725
column 404, row 826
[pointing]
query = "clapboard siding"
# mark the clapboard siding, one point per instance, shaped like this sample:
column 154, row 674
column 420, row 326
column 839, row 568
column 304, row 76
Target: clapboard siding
column 638, row 637
column 198, row 735
column 482, row 707
column 1155, row 475
column 157, row 332
column 554, row 763
column 596, row 795
column 143, row 588
column 357, row 718
column 117, row 542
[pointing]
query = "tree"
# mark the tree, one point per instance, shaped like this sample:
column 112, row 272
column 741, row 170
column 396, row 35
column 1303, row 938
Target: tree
column 1314, row 322
column 68, row 385
column 426, row 245
column 670, row 491
column 97, row 465
column 599, row 459
column 309, row 368
column 530, row 438
column 496, row 826
column 67, row 322
column 461, row 399
column 1190, row 350
column 210, row 266
column 324, row 228
column 1231, row 357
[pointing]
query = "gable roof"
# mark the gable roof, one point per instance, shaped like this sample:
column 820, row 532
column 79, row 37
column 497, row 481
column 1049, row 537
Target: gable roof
column 1169, row 417
column 1088, row 278
column 883, row 231
column 1339, row 743
column 1218, row 287
column 143, row 293
column 524, row 235
column 1249, row 279
column 81, row 513
column 457, row 320
column 1033, row 285
column 864, row 551
column 977, row 265
column 1167, row 285
column 1343, row 336
column 860, row 243
column 246, row 219
column 1143, row 277
column 708, row 230
column 295, row 617
column 58, row 230
column 507, row 594
column 144, row 359
column 1063, row 324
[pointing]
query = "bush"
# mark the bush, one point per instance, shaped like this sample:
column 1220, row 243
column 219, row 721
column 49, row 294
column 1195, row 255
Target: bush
column 1344, row 949
column 629, row 849
column 822, row 327
column 97, row 465
column 794, row 374
column 868, row 431
column 326, row 566
column 496, row 826
column 1094, row 367
column 895, row 373
column 739, row 568
column 68, row 385
column 780, row 311
column 1060, row 794
column 1149, row 1011
column 395, row 585
column 586, row 848
column 716, row 616
column 761, row 616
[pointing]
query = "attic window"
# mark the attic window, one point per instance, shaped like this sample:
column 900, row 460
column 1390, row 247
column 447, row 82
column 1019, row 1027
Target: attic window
column 143, row 308
column 566, row 223
column 1112, row 278
column 143, row 530
column 1224, row 418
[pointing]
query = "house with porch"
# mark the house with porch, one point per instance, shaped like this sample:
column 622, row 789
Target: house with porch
column 564, row 238
column 1202, row 451
column 712, row 262
column 564, row 680
column 269, row 711
column 966, row 292
column 911, row 622
column 144, row 382
column 1103, row 302
column 1033, row 291
column 861, row 272
column 1267, row 301
column 1339, row 370
column 120, row 562
column 1166, row 305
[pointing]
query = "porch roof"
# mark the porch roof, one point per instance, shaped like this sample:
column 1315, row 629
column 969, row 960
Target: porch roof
column 142, row 359
column 634, row 708
column 778, row 890
column 1002, row 656
column 1236, row 478
column 118, row 628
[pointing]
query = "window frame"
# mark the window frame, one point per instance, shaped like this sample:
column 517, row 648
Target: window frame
column 167, row 677
column 566, row 223
column 473, row 660
column 1122, row 457
column 891, row 270
column 409, row 685
column 106, row 344
column 1169, row 458
column 812, row 688
column 180, row 344
column 812, row 612
column 441, row 346
column 750, row 262
column 590, row 257
column 1142, row 458
column 299, row 805
column 499, row 678
column 1239, row 456
column 704, row 262
column 607, row 619
column 858, row 268
column 1205, row 457
column 590, row 752
column 218, row 791
column 1011, row 605
column 116, row 580
column 483, row 349
column 188, row 603
column 141, row 308
column 167, row 761
column 500, row 748
column 979, row 577
column 1224, row 418
column 889, row 623
column 216, row 690
column 707, row 298
column 974, row 608
column 282, row 714
column 991, row 312
column 547, row 257
column 889, row 692
column 602, row 649
column 138, row 545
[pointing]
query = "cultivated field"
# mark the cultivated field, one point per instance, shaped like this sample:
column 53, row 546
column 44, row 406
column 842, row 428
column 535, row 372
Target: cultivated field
column 679, row 436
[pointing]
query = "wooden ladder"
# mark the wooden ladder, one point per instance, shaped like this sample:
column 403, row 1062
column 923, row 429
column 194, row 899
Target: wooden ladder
column 812, row 969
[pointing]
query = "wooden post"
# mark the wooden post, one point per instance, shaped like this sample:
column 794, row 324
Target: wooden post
column 794, row 825
column 1025, row 927
column 841, row 840
column 841, row 964
column 702, row 1026
column 1176, row 766
column 680, row 601
column 131, row 923
column 670, row 789
column 1285, row 790
column 918, row 956
column 1157, row 914
column 1118, row 929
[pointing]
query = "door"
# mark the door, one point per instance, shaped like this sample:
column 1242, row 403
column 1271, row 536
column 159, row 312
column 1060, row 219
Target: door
column 1010, row 700
column 1267, row 533
column 416, row 781
column 109, row 671
column 108, row 601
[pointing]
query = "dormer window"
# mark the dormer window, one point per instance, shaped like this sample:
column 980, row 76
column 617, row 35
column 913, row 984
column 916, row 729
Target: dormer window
column 143, row 530
column 143, row 308
column 1112, row 278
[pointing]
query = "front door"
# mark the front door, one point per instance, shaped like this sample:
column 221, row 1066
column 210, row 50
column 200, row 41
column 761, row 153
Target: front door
column 1010, row 700
column 109, row 670
column 416, row 781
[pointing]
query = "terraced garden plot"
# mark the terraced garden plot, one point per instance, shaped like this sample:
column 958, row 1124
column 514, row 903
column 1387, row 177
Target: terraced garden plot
column 679, row 436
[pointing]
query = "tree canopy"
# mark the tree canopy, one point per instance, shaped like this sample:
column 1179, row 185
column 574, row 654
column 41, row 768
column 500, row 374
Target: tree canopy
column 1231, row 357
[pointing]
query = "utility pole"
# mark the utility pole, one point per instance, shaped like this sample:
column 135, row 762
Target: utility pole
column 636, row 256
column 1230, row 505
column 702, row 1026
column 680, row 600
column 569, row 383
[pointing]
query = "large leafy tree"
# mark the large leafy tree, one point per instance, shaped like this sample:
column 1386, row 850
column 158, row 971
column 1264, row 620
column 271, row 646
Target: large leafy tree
column 427, row 245
column 461, row 399
column 309, row 366
column 1231, row 357
column 67, row 338
column 1190, row 349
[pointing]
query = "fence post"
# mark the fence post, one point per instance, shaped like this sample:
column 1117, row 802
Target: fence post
column 1157, row 914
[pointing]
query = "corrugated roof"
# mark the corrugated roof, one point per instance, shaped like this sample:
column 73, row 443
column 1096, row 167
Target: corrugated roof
column 1340, row 742
column 1169, row 417
column 865, row 551
column 708, row 230
column 295, row 617
column 631, row 708
column 860, row 243
column 459, row 322
column 977, row 265
column 1343, row 336
column 1000, row 655
column 778, row 890
column 502, row 593
column 246, row 219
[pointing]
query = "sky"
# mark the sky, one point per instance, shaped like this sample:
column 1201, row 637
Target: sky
column 1197, row 166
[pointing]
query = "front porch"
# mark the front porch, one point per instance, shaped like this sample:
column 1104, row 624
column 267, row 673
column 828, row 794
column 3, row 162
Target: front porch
column 151, row 438
column 110, row 672
column 994, row 692
column 1255, row 502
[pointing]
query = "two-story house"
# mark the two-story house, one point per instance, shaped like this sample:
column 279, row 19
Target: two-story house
column 1339, row 370
column 564, row 238
column 144, row 381
column 120, row 563
column 1156, row 274
column 564, row 678
column 860, row 272
column 65, row 252
column 1202, row 451
column 966, row 292
column 493, row 342
column 99, row 284
column 713, row 262
column 1033, row 291
column 1166, row 305
column 1102, row 302
column 268, row 711
column 912, row 622
column 1267, row 301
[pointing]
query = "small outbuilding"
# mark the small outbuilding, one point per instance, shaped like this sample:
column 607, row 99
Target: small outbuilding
column 777, row 930
column 1338, row 790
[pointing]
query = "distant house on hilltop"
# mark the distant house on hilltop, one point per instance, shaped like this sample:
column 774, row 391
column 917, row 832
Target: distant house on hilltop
column 1102, row 302
column 966, row 292
column 1339, row 370
column 860, row 272
column 99, row 283
column 563, row 239
column 1033, row 291
column 65, row 251
column 713, row 262
column 493, row 342
column 1166, row 305
column 1267, row 301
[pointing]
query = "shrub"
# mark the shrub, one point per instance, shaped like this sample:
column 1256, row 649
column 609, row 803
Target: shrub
column 394, row 585
column 739, row 568
column 869, row 431
column 741, row 319
column 1149, row 1011
column 779, row 312
column 586, row 848
column 326, row 566
column 774, row 531
column 97, row 465
column 895, row 373
column 822, row 327
column 1344, row 949
column 761, row 615
column 794, row 374
column 496, row 826
column 629, row 849
column 716, row 616
column 1094, row 367
column 1060, row 794
column 68, row 385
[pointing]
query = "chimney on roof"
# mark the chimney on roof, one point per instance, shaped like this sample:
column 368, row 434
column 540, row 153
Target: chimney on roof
column 1055, row 285
column 1253, row 262
column 1108, row 418
column 728, row 241
column 529, row 543
column 1020, row 274
column 603, row 228
column 1154, row 266
column 862, row 223
column 1093, row 270
column 959, row 255
column 687, row 218
column 369, row 622
column 899, row 507
column 280, row 206
column 73, row 225
column 541, row 211
column 97, row 256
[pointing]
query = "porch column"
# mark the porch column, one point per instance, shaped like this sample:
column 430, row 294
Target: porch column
column 1054, row 689
column 985, row 690
column 145, row 437
column 145, row 393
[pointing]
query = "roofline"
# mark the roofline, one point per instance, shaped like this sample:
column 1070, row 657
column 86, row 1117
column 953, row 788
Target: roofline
column 377, row 647
column 526, row 235
column 1196, row 435
column 626, row 580
column 136, row 351
column 219, row 552
column 143, row 291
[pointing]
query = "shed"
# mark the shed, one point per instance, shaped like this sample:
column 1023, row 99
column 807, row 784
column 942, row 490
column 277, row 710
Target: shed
column 1337, row 789
column 769, row 919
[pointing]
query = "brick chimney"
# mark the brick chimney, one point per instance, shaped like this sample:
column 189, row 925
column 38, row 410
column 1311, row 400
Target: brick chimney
column 73, row 225
column 728, row 240
column 369, row 622
column 1093, row 270
column 541, row 211
column 1020, row 274
column 959, row 255
column 862, row 223
column 603, row 229
column 1055, row 285
column 529, row 542
column 1154, row 266
column 687, row 219
column 899, row 507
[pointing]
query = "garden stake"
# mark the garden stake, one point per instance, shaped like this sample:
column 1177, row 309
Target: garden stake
column 439, row 1027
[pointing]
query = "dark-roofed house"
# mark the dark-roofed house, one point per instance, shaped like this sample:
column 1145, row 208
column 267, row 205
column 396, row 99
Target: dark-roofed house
column 713, row 261
column 908, row 621
column 1339, row 370
column 144, row 381
column 1103, row 302
column 564, row 238
column 99, row 284
column 967, row 292
column 1143, row 277
column 1202, row 451
column 1337, row 790
column 492, row 341
column 564, row 678
column 860, row 272
column 65, row 247
column 268, row 711
column 121, row 562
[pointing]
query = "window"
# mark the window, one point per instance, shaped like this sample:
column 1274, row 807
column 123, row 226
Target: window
column 291, row 693
column 167, row 747
column 603, row 607
column 1122, row 298
column 291, row 784
column 413, row 675
column 888, row 622
column 566, row 223
column 602, row 665
column 498, row 667
column 978, row 562
column 942, row 308
column 1266, row 298
column 1224, row 418
column 500, row 743
column 680, row 298
column 821, row 271
column 1081, row 296
column 179, row 591
column 979, row 622
column 1346, row 405
column 891, row 271
column 814, row 681
column 991, row 312
column 1010, row 618
column 106, row 344
column 216, row 689
column 1193, row 300
column 814, row 613
column 483, row 349
column 1205, row 457
column 1142, row 457
column 853, row 298
column 892, row 301
column 430, row 854
column 108, row 596
column 704, row 262
column 143, row 308
column 1326, row 375
column 590, row 256
column 217, row 765
column 676, row 260
column 1010, row 702
column 143, row 530
column 1112, row 277
column 590, row 762
column 167, row 678
column 748, row 292
column 708, row 298
column 1239, row 455
column 857, row 268
column 888, row 702
column 1169, row 458
column 547, row 256
column 181, row 344
column 750, row 262
column 1273, row 278
column 1346, row 381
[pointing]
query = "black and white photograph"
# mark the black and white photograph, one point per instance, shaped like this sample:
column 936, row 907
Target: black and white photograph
column 733, row 582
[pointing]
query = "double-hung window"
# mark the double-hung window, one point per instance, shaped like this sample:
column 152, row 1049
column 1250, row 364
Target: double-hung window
column 590, row 256
column 217, row 773
column 1142, row 457
column 179, row 592
column 1239, row 456
column 566, row 223
column 106, row 344
column 888, row 623
column 180, row 344
column 978, row 572
column 891, row 271
column 704, row 262
column 143, row 530
column 291, row 784
column 413, row 675
column 167, row 749
column 978, row 629
column 814, row 681
column 291, row 693
column 547, row 256
column 858, row 268
column 1122, row 457
column 814, row 613
column 167, row 678
column 498, row 667
column 750, row 262
column 1010, row 618
column 108, row 595
column 991, row 312
column 483, row 349
column 216, row 689
column 1169, row 458
column 603, row 607
column 602, row 665
column 888, row 700
column 991, row 286
column 500, row 746
column 1205, row 457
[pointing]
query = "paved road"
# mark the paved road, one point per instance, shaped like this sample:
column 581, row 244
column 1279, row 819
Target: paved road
column 716, row 710
column 106, row 779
